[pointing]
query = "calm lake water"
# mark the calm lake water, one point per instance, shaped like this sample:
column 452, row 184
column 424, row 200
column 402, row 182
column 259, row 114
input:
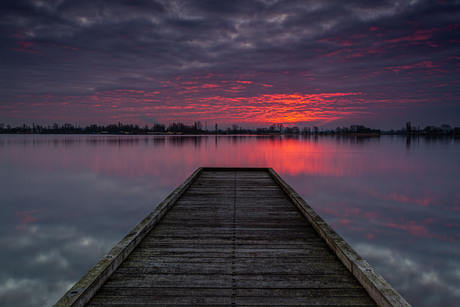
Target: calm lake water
column 66, row 200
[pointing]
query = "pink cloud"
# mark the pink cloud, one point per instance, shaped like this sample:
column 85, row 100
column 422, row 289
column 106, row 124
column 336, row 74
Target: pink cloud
column 66, row 47
column 423, row 64
column 245, row 82
column 416, row 37
column 210, row 85
column 331, row 54
column 338, row 40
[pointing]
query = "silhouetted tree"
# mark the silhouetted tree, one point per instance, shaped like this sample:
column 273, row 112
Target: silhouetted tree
column 408, row 128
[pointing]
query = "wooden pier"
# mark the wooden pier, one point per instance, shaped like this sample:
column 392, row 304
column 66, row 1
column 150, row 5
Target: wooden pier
column 234, row 237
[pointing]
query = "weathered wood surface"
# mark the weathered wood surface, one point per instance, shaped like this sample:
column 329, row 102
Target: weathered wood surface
column 233, row 238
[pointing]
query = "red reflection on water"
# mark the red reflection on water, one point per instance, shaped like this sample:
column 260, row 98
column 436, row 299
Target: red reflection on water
column 370, row 236
column 171, row 159
column 428, row 198
column 345, row 210
column 457, row 199
column 27, row 217
column 179, row 156
column 412, row 227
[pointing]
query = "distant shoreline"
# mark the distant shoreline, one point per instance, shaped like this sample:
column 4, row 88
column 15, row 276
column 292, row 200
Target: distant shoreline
column 355, row 135
column 197, row 129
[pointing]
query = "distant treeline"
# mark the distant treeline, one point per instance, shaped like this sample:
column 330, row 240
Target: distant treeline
column 197, row 128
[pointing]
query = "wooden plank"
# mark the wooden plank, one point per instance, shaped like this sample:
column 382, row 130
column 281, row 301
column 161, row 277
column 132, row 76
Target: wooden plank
column 225, row 281
column 265, row 233
column 199, row 241
column 264, row 266
column 224, row 253
column 224, row 259
column 261, row 297
column 247, row 214
column 222, row 292
column 312, row 261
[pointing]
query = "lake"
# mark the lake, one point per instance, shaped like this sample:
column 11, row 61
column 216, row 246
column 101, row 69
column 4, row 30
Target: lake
column 66, row 200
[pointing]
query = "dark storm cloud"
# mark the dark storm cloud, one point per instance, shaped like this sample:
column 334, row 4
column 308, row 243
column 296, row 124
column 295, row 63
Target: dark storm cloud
column 371, row 47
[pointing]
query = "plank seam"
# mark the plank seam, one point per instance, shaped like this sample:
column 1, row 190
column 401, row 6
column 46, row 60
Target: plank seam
column 233, row 301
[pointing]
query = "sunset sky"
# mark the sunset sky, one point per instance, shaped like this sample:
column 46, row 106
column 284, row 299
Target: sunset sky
column 251, row 63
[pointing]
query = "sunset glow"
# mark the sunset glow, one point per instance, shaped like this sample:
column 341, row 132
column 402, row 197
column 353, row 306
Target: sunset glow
column 250, row 63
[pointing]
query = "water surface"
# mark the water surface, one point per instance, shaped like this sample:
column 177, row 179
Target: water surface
column 66, row 200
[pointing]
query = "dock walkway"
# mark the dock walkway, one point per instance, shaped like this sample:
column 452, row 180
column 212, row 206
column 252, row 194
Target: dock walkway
column 232, row 237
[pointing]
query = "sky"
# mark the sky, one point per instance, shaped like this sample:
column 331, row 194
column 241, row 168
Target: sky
column 250, row 62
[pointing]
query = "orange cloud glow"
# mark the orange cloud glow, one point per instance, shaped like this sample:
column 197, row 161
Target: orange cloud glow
column 225, row 102
column 263, row 109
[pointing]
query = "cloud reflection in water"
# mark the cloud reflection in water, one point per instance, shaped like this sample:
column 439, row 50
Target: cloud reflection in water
column 66, row 200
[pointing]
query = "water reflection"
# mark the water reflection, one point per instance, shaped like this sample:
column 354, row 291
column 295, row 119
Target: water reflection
column 66, row 200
